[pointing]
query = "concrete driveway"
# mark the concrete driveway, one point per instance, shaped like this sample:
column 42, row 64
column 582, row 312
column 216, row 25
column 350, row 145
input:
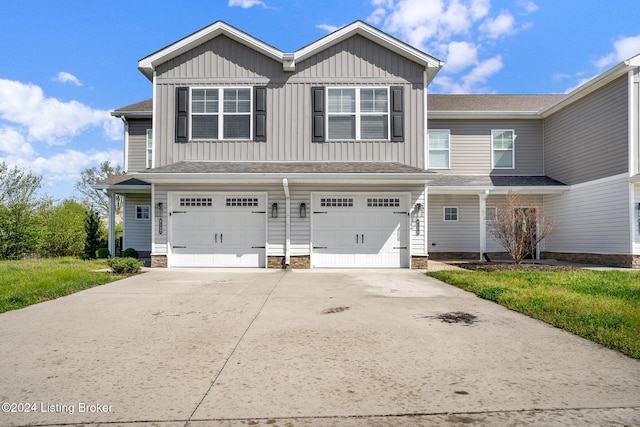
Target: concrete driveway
column 300, row 348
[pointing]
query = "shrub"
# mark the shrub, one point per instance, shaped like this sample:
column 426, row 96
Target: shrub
column 102, row 253
column 124, row 265
column 130, row 253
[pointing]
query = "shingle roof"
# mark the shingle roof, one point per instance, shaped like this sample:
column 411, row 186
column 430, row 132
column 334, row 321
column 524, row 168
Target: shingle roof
column 494, row 103
column 139, row 108
column 188, row 167
column 123, row 180
column 493, row 181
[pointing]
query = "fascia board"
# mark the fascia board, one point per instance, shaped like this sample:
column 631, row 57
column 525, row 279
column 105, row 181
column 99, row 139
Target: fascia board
column 482, row 115
column 546, row 189
column 124, row 188
column 372, row 34
column 137, row 114
column 146, row 65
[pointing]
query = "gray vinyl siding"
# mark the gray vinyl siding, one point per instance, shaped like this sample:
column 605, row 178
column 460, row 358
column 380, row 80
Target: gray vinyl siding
column 137, row 232
column 137, row 155
column 492, row 244
column 289, row 102
column 454, row 236
column 589, row 139
column 470, row 146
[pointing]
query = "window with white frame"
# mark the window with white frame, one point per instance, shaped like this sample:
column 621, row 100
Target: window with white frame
column 502, row 149
column 358, row 113
column 491, row 213
column 439, row 149
column 450, row 213
column 142, row 212
column 149, row 148
column 220, row 113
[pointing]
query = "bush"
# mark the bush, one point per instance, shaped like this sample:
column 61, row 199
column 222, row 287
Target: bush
column 130, row 253
column 102, row 253
column 124, row 265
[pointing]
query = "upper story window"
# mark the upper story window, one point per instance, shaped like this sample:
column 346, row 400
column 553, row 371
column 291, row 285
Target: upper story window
column 229, row 119
column 222, row 113
column 358, row 113
column 502, row 149
column 149, row 148
column 439, row 149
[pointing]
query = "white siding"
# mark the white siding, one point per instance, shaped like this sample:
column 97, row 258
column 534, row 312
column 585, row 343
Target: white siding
column 137, row 232
column 636, row 222
column 591, row 218
column 454, row 236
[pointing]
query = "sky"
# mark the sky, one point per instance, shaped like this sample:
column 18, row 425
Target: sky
column 65, row 65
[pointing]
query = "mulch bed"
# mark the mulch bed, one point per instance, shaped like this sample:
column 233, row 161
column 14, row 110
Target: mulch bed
column 505, row 266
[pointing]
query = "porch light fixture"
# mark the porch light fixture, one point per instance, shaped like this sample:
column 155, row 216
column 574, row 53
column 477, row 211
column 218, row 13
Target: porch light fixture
column 274, row 210
column 159, row 208
column 418, row 208
column 303, row 210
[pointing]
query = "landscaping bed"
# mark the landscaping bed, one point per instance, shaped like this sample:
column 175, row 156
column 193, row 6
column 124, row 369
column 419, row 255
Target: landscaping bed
column 509, row 266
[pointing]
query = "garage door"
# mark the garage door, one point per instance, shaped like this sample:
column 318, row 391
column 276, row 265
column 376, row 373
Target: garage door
column 217, row 231
column 360, row 231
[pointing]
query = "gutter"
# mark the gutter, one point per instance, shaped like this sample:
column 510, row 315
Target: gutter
column 287, row 222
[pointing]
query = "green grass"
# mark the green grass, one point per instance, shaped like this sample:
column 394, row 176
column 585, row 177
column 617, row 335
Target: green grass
column 603, row 306
column 27, row 282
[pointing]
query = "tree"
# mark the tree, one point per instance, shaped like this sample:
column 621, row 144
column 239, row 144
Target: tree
column 92, row 230
column 20, row 228
column 520, row 225
column 97, row 200
column 63, row 229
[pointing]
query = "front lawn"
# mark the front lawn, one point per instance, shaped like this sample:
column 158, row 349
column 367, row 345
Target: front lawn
column 27, row 282
column 603, row 306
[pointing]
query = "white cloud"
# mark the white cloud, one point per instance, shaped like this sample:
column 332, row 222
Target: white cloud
column 49, row 119
column 64, row 77
column 528, row 6
column 624, row 49
column 377, row 16
column 461, row 55
column 246, row 4
column 478, row 75
column 13, row 142
column 501, row 25
column 326, row 27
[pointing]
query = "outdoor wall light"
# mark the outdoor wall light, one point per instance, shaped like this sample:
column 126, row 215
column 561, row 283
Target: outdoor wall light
column 159, row 208
column 418, row 208
column 274, row 210
column 303, row 210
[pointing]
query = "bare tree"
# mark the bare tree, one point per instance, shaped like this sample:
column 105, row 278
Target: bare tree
column 97, row 200
column 520, row 225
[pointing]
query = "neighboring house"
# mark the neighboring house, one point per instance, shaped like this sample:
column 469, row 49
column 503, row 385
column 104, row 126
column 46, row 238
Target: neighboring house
column 336, row 156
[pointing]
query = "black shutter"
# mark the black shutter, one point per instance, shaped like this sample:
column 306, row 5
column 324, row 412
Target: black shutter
column 260, row 113
column 397, row 114
column 317, row 111
column 182, row 114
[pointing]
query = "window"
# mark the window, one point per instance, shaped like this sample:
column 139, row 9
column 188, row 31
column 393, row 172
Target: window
column 338, row 202
column 241, row 201
column 358, row 113
column 212, row 118
column 383, row 203
column 149, row 148
column 450, row 213
column 491, row 213
column 142, row 212
column 195, row 201
column 502, row 149
column 439, row 149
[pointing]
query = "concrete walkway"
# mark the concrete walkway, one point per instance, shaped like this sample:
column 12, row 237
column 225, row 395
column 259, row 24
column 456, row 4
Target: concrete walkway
column 301, row 348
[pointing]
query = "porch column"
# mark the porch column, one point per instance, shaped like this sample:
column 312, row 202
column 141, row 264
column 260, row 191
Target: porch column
column 483, row 223
column 112, row 225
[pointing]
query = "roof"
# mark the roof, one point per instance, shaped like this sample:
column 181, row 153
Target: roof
column 147, row 64
column 445, row 184
column 204, row 167
column 139, row 109
column 502, row 103
column 121, row 180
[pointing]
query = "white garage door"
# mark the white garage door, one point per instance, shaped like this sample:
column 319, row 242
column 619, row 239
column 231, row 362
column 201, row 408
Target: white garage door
column 360, row 231
column 217, row 231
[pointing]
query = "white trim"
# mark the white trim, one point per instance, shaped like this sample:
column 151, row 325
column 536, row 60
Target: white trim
column 126, row 143
column 486, row 115
column 448, row 131
column 444, row 214
column 148, row 218
column 149, row 156
column 425, row 122
column 542, row 189
column 154, row 119
column 513, row 149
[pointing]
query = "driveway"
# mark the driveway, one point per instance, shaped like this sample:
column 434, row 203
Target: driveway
column 300, row 348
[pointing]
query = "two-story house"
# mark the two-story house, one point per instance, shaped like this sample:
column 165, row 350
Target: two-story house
column 336, row 156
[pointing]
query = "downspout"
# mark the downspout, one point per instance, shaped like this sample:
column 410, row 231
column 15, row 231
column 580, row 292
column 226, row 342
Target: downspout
column 483, row 223
column 287, row 222
column 112, row 225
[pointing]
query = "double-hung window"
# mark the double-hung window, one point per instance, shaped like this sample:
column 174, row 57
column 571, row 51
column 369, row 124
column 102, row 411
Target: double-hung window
column 220, row 113
column 502, row 149
column 358, row 113
column 439, row 149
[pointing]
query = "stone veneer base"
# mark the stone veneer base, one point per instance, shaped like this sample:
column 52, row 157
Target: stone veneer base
column 610, row 260
column 300, row 261
column 419, row 262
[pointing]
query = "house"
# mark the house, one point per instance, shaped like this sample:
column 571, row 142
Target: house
column 336, row 155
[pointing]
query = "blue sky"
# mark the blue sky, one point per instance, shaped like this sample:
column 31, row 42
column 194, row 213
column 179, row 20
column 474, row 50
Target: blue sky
column 66, row 64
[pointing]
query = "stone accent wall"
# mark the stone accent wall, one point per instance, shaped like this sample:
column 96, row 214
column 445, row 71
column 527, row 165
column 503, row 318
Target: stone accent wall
column 302, row 261
column 419, row 262
column 159, row 261
column 628, row 261
column 450, row 256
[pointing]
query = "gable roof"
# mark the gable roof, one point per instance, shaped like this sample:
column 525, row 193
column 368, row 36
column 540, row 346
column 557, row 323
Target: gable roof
column 147, row 64
column 142, row 109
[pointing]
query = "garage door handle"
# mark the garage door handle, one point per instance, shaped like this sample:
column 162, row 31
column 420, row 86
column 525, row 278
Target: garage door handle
column 403, row 213
column 220, row 237
column 179, row 212
column 357, row 239
column 399, row 247
column 320, row 212
column 319, row 247
column 179, row 247
column 258, row 212
column 258, row 247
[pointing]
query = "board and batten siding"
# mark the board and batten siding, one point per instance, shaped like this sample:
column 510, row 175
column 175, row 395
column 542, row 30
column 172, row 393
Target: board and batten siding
column 224, row 62
column 591, row 218
column 137, row 155
column 588, row 140
column 137, row 232
column 470, row 146
column 454, row 236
